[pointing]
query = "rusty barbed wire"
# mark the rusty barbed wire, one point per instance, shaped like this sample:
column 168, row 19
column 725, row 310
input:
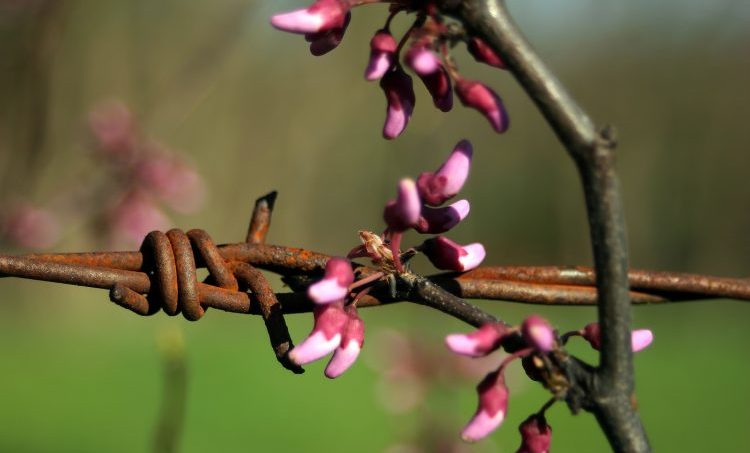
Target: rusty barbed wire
column 162, row 275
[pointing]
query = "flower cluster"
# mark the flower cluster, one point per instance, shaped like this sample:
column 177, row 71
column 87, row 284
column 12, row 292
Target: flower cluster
column 418, row 206
column 538, row 338
column 428, row 42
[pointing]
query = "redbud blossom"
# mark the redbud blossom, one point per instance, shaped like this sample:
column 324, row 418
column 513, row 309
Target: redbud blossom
column 536, row 435
column 321, row 16
column 351, row 343
column 399, row 93
column 479, row 343
column 113, row 129
column 330, row 321
column 480, row 97
column 438, row 84
column 134, row 217
column 483, row 54
column 436, row 188
column 493, row 403
column 30, row 227
column 447, row 255
column 382, row 55
column 640, row 339
column 335, row 283
column 403, row 212
column 440, row 220
column 538, row 333
column 422, row 60
column 325, row 41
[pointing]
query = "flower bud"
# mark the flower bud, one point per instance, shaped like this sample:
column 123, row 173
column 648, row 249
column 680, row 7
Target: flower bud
column 351, row 343
column 325, row 41
column 480, row 97
column 436, row 188
column 321, row 16
column 422, row 60
column 538, row 333
column 403, row 212
column 639, row 339
column 536, row 435
column 382, row 55
column 493, row 403
column 483, row 54
column 335, row 283
column 479, row 343
column 438, row 84
column 399, row 93
column 447, row 255
column 440, row 220
column 330, row 321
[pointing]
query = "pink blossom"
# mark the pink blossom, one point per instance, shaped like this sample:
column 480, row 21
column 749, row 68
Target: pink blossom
column 422, row 60
column 172, row 181
column 493, row 404
column 321, row 16
column 640, row 339
column 438, row 84
column 113, row 129
column 382, row 55
column 448, row 255
column 440, row 220
column 536, row 435
column 538, row 333
column 31, row 227
column 436, row 188
column 403, row 212
column 480, row 97
column 335, row 283
column 325, row 41
column 479, row 343
column 326, row 335
column 399, row 93
column 483, row 53
column 134, row 217
column 351, row 343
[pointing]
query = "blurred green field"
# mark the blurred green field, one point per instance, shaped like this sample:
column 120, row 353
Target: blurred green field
column 256, row 112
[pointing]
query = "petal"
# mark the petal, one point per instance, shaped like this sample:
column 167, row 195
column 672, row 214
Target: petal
column 456, row 167
column 343, row 358
column 440, row 220
column 314, row 347
column 481, row 425
column 379, row 64
column 422, row 60
column 479, row 343
column 326, row 291
column 474, row 255
column 640, row 339
column 403, row 212
column 480, row 97
column 299, row 21
column 538, row 333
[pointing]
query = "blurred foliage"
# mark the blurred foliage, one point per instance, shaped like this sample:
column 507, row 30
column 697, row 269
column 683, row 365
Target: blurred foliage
column 256, row 112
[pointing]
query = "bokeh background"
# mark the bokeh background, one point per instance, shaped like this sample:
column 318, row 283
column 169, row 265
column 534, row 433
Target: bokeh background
column 250, row 110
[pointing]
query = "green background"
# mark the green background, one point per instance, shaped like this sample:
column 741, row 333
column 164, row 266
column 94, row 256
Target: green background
column 256, row 112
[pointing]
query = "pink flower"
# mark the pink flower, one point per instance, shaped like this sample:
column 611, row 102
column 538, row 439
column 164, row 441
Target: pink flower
column 493, row 404
column 326, row 335
column 483, row 54
column 321, row 16
column 479, row 343
column 640, row 339
column 536, row 435
column 440, row 220
column 325, row 41
column 480, row 97
column 134, row 217
column 173, row 181
column 403, row 212
column 422, row 60
column 436, row 188
column 438, row 84
column 399, row 93
column 113, row 129
column 31, row 227
column 538, row 333
column 335, row 283
column 447, row 255
column 351, row 343
column 382, row 55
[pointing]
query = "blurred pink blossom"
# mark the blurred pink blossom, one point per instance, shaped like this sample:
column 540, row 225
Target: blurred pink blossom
column 31, row 227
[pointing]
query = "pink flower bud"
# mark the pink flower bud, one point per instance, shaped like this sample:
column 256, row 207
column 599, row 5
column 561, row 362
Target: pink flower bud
column 173, row 181
column 325, row 41
column 330, row 321
column 479, row 343
column 438, row 84
column 399, row 93
column 483, row 54
column 536, row 435
column 335, row 283
column 351, row 343
column 640, row 339
column 538, row 333
column 321, row 16
column 447, row 255
column 440, row 220
column 134, row 217
column 422, row 60
column 480, row 97
column 493, row 404
column 113, row 129
column 30, row 227
column 436, row 188
column 382, row 55
column 403, row 212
